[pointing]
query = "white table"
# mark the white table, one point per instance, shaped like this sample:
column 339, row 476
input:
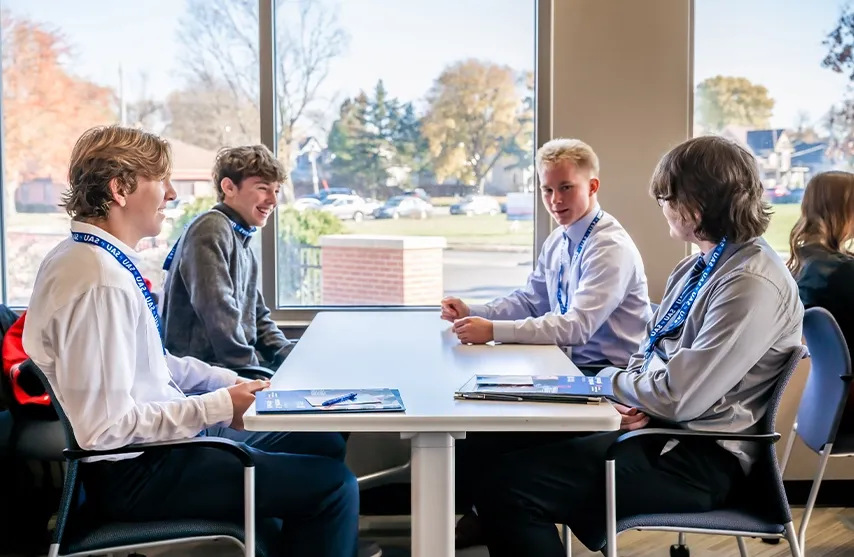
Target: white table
column 418, row 354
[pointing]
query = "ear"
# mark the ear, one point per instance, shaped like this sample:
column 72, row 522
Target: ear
column 229, row 188
column 594, row 185
column 118, row 193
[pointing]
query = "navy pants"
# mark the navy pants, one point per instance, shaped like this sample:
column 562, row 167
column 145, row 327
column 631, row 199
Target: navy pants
column 300, row 478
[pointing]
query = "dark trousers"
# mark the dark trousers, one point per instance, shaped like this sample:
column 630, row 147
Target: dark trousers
column 564, row 483
column 299, row 477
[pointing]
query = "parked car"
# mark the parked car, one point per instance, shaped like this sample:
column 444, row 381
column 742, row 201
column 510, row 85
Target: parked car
column 472, row 205
column 174, row 209
column 404, row 206
column 348, row 207
column 783, row 195
column 420, row 193
column 307, row 202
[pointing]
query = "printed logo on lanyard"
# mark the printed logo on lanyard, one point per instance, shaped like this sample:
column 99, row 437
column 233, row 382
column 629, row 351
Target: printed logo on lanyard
column 678, row 312
column 247, row 232
column 563, row 297
column 127, row 264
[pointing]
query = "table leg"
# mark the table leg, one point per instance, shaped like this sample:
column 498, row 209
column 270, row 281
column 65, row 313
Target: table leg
column 433, row 493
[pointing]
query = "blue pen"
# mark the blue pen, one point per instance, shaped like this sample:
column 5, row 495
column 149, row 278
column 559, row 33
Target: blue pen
column 338, row 399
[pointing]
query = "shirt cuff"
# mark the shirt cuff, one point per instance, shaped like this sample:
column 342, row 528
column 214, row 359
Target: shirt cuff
column 504, row 331
column 609, row 372
column 221, row 377
column 218, row 408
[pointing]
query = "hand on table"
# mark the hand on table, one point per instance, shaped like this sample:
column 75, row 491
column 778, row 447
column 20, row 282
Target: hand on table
column 242, row 397
column 453, row 309
column 474, row 330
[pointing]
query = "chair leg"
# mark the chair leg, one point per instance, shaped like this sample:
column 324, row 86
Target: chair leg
column 54, row 550
column 816, row 484
column 788, row 450
column 567, row 540
column 742, row 547
column 791, row 537
column 249, row 511
column 611, row 508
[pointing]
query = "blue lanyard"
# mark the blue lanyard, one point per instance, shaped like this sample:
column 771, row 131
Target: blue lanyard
column 167, row 264
column 127, row 264
column 678, row 312
column 563, row 298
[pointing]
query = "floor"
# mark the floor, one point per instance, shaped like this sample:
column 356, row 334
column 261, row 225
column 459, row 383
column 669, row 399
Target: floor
column 831, row 534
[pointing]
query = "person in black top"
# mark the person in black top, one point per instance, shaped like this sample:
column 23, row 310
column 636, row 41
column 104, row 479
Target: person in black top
column 821, row 259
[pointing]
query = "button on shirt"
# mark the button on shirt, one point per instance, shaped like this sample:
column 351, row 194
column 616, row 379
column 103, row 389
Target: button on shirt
column 608, row 301
column 90, row 331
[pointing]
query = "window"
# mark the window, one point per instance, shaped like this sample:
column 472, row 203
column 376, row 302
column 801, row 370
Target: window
column 772, row 76
column 68, row 66
column 408, row 122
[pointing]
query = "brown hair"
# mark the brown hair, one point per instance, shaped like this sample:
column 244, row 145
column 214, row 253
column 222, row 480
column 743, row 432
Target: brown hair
column 105, row 153
column 715, row 182
column 827, row 216
column 240, row 163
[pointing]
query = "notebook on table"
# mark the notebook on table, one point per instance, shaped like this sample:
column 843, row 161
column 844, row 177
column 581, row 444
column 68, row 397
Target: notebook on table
column 536, row 388
column 328, row 400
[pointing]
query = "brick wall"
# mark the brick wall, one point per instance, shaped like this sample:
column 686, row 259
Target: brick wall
column 381, row 270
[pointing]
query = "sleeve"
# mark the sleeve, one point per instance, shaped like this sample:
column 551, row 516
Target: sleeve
column 203, row 265
column 530, row 301
column 271, row 342
column 840, row 285
column 96, row 340
column 606, row 273
column 195, row 375
column 738, row 328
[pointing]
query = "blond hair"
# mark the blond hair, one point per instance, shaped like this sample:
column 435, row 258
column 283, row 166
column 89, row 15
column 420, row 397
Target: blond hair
column 827, row 217
column 251, row 161
column 106, row 153
column 573, row 151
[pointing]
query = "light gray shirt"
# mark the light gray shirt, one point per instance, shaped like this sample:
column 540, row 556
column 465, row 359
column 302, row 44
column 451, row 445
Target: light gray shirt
column 718, row 371
column 606, row 296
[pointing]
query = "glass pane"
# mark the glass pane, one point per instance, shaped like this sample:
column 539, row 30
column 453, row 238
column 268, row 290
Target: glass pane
column 771, row 75
column 406, row 112
column 158, row 65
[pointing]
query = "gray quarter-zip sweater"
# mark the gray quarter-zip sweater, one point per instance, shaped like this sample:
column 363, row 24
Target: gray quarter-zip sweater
column 212, row 308
column 717, row 372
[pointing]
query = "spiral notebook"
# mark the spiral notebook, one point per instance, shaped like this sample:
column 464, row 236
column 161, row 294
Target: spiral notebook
column 536, row 388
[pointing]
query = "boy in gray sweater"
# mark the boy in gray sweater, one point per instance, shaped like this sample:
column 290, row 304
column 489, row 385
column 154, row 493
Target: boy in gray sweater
column 212, row 308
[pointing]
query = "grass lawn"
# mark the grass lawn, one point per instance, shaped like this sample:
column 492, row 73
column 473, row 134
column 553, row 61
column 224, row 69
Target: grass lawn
column 459, row 230
column 781, row 225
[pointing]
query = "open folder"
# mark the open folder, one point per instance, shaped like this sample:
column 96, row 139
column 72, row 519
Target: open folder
column 328, row 400
column 536, row 388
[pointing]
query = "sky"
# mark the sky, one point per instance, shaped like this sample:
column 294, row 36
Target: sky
column 407, row 43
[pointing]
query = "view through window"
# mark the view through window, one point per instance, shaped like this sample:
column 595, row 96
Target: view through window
column 407, row 132
column 776, row 75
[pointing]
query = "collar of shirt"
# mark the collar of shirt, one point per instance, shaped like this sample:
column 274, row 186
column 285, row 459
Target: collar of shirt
column 86, row 228
column 576, row 230
column 234, row 216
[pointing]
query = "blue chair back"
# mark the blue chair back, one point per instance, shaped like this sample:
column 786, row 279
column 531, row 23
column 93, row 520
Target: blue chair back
column 826, row 390
column 763, row 492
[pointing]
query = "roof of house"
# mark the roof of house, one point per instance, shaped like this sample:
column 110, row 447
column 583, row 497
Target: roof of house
column 761, row 141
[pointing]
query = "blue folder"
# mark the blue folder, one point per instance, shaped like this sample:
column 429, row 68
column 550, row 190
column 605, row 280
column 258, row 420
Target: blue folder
column 537, row 388
column 309, row 401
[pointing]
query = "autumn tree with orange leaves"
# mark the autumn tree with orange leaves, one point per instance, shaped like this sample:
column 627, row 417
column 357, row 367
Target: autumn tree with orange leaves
column 45, row 107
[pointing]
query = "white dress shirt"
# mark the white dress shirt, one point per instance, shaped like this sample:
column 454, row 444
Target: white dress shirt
column 606, row 296
column 91, row 332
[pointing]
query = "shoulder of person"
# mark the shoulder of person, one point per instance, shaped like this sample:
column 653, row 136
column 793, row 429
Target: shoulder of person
column 210, row 224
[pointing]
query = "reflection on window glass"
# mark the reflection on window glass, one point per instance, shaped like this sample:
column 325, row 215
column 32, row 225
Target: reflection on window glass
column 775, row 76
column 68, row 66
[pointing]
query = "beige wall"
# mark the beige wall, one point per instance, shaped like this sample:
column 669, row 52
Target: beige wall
column 622, row 82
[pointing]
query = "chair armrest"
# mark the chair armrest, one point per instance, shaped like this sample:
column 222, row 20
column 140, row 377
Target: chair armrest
column 226, row 445
column 674, row 433
column 253, row 372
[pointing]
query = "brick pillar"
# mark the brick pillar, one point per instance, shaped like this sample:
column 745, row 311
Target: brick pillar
column 366, row 270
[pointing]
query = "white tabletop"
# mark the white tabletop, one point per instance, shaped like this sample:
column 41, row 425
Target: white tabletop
column 418, row 354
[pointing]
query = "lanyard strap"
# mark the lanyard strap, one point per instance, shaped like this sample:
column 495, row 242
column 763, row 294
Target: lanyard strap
column 127, row 264
column 563, row 297
column 247, row 232
column 678, row 312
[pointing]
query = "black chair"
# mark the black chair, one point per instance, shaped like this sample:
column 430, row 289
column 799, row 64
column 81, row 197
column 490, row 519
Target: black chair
column 78, row 532
column 759, row 507
column 822, row 402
